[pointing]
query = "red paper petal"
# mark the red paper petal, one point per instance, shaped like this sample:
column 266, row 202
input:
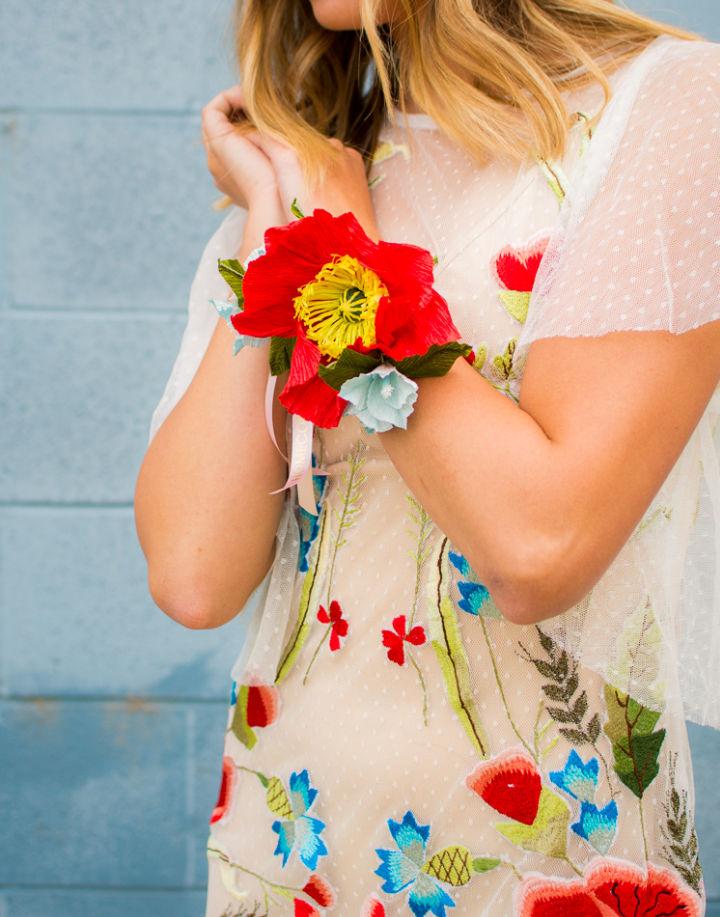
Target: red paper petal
column 314, row 400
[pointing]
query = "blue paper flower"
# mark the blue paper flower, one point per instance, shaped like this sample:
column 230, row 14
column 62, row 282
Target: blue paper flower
column 402, row 868
column 382, row 398
column 475, row 596
column 226, row 310
column 301, row 831
column 597, row 826
column 577, row 779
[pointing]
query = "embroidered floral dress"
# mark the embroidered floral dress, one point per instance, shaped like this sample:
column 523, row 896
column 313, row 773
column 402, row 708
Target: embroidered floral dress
column 412, row 751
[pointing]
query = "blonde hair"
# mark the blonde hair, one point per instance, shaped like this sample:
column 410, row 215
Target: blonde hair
column 487, row 71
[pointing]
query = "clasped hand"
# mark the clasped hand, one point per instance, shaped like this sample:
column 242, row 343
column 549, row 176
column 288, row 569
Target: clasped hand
column 263, row 174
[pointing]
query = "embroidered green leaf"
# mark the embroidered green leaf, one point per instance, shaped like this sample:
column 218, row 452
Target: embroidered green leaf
column 233, row 272
column 639, row 653
column 281, row 349
column 239, row 725
column 278, row 800
column 436, row 361
column 348, row 365
column 485, row 864
column 548, row 833
column 555, row 177
column 451, row 864
column 302, row 624
column 636, row 743
column 681, row 850
column 480, row 356
column 450, row 652
column 295, row 209
column 516, row 303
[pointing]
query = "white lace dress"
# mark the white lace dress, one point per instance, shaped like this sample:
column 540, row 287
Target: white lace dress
column 393, row 745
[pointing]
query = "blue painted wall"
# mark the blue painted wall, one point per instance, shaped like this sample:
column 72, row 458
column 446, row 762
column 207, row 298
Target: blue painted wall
column 112, row 715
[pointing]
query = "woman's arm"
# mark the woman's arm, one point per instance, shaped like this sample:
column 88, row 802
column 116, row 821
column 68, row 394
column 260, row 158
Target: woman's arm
column 541, row 496
column 205, row 517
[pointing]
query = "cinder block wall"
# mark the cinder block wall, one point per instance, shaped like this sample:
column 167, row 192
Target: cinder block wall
column 111, row 715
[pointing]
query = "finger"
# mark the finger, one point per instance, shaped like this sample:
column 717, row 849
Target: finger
column 216, row 115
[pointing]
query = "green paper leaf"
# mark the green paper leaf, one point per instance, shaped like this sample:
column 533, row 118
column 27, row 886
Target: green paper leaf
column 281, row 349
column 349, row 364
column 436, row 361
column 233, row 272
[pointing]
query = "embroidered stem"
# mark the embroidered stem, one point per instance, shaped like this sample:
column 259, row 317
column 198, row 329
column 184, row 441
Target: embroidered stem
column 642, row 828
column 302, row 625
column 422, row 685
column 221, row 855
column 450, row 651
column 350, row 505
column 500, row 689
column 317, row 650
column 572, row 865
column 425, row 526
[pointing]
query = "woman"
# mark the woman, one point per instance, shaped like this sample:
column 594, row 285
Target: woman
column 465, row 683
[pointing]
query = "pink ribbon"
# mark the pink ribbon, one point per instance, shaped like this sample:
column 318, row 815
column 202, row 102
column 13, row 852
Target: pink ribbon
column 300, row 470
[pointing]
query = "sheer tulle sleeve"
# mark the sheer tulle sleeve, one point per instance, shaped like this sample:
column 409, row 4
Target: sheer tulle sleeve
column 202, row 316
column 638, row 248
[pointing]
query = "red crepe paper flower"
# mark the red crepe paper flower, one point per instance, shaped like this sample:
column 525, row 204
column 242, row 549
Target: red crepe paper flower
column 227, row 784
column 510, row 783
column 262, row 705
column 395, row 639
column 609, row 886
column 339, row 624
column 324, row 282
column 303, row 909
column 319, row 889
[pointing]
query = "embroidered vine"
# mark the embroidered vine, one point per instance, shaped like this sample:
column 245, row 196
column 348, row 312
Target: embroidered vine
column 681, row 850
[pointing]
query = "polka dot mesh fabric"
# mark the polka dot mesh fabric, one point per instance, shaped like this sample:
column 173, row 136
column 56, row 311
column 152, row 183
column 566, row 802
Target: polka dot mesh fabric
column 393, row 745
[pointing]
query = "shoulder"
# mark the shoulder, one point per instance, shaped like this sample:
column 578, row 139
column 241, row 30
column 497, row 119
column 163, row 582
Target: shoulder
column 681, row 72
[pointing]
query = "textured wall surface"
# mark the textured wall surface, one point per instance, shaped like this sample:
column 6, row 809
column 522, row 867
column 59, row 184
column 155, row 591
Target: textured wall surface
column 111, row 714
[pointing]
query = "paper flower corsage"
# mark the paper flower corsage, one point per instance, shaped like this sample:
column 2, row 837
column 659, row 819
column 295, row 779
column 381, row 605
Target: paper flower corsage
column 354, row 322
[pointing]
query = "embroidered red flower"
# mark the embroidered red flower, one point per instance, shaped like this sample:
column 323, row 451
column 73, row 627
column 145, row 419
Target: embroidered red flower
column 515, row 270
column 372, row 907
column 222, row 806
column 339, row 624
column 304, row 909
column 609, row 886
column 324, row 282
column 262, row 705
column 320, row 890
column 510, row 783
column 395, row 639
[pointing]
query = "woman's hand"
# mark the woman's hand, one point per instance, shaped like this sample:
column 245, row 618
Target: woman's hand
column 345, row 186
column 238, row 166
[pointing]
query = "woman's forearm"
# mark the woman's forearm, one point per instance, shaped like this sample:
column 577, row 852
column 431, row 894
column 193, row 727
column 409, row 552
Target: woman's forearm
column 492, row 480
column 205, row 517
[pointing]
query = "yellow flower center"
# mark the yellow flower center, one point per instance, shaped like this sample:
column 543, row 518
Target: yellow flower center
column 339, row 305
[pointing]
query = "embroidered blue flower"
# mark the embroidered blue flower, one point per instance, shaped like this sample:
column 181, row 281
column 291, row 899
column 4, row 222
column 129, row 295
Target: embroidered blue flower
column 577, row 779
column 308, row 522
column 382, row 398
column 475, row 596
column 402, row 868
column 597, row 826
column 301, row 831
column 233, row 692
column 226, row 310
